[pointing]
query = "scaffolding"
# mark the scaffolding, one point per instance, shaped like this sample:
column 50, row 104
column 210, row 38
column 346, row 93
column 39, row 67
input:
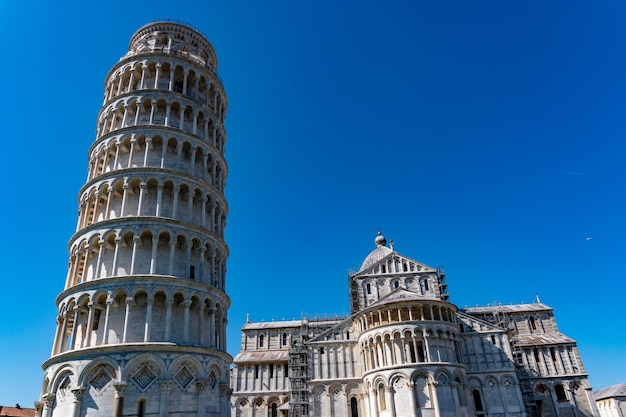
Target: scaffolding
column 299, row 377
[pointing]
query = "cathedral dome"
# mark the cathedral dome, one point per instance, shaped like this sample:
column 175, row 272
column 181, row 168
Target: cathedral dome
column 377, row 254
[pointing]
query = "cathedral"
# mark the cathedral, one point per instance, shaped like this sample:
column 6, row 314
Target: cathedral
column 406, row 351
column 141, row 319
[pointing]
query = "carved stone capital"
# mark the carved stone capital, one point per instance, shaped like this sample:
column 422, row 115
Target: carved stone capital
column 201, row 386
column 78, row 393
column 120, row 389
column 166, row 387
column 48, row 400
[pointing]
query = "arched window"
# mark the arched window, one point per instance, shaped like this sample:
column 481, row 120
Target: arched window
column 382, row 401
column 354, row 408
column 141, row 408
column 261, row 338
column 478, row 402
column 369, row 289
column 560, row 393
column 396, row 284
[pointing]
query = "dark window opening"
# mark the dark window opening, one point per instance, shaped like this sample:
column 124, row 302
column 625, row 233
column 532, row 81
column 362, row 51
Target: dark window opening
column 348, row 335
column 192, row 272
column 425, row 285
column 412, row 352
column 141, row 408
column 493, row 339
column 560, row 393
column 261, row 338
column 284, row 339
column 354, row 408
column 396, row 284
column 383, row 268
column 321, row 351
column 96, row 319
column 540, row 407
column 256, row 371
column 286, row 370
column 478, row 403
column 533, row 325
column 271, row 371
column 420, row 352
column 178, row 86
column 274, row 412
column 553, row 354
column 369, row 289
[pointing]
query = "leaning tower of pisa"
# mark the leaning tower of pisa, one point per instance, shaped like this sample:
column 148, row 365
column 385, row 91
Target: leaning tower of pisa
column 141, row 326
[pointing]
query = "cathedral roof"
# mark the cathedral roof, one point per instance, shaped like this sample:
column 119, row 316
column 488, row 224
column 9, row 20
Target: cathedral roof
column 377, row 254
column 382, row 253
column 511, row 308
column 543, row 339
column 247, row 356
column 271, row 324
column 613, row 391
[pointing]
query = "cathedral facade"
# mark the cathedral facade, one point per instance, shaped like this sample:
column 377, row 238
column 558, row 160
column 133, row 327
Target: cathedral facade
column 406, row 351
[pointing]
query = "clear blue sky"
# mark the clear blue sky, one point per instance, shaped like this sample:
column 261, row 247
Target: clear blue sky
column 485, row 136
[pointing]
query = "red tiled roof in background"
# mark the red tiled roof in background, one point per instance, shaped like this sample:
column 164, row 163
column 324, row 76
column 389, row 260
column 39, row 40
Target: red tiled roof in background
column 16, row 412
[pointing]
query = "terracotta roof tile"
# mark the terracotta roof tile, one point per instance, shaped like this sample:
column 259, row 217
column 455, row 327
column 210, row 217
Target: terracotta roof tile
column 16, row 412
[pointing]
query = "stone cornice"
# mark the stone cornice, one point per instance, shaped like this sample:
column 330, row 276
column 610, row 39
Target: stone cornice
column 124, row 348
